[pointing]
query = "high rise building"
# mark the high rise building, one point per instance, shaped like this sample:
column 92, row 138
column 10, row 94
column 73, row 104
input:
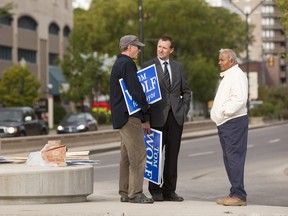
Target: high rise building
column 268, row 50
column 274, row 45
column 36, row 35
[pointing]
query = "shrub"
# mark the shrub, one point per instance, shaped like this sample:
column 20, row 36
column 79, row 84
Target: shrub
column 59, row 113
column 102, row 118
column 275, row 102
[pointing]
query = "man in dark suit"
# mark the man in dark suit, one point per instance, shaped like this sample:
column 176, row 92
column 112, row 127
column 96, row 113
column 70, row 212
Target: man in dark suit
column 133, row 150
column 168, row 115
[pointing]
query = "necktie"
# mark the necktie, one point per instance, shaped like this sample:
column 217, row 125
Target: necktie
column 166, row 74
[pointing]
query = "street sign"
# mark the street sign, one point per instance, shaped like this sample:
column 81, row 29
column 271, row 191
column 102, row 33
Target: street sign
column 41, row 105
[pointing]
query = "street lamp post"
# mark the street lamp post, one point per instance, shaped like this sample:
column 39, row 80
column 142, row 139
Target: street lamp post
column 247, row 14
column 141, row 34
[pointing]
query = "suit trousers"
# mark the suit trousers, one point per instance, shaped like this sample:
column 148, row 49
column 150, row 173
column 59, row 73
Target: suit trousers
column 133, row 158
column 171, row 133
column 233, row 136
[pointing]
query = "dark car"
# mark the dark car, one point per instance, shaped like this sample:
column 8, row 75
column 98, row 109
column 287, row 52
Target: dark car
column 77, row 122
column 21, row 121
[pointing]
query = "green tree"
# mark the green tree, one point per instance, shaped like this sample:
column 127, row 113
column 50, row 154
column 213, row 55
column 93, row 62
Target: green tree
column 5, row 11
column 96, row 30
column 87, row 75
column 198, row 30
column 282, row 6
column 18, row 87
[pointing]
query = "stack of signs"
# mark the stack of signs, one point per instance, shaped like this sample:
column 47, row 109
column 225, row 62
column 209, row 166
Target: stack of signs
column 150, row 84
column 153, row 143
column 79, row 158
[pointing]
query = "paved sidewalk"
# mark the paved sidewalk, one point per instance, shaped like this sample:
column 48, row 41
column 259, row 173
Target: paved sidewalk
column 111, row 206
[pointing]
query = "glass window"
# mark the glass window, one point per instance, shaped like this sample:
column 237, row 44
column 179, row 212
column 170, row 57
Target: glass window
column 53, row 29
column 5, row 53
column 6, row 20
column 27, row 22
column 53, row 59
column 28, row 55
column 66, row 31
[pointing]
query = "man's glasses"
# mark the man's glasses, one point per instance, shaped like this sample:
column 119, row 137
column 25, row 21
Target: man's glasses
column 139, row 47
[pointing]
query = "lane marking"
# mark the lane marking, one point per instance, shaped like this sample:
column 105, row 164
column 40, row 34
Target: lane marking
column 274, row 141
column 250, row 146
column 201, row 153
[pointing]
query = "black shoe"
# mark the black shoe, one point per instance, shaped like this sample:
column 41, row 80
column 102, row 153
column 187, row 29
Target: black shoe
column 140, row 198
column 124, row 199
column 172, row 197
column 157, row 197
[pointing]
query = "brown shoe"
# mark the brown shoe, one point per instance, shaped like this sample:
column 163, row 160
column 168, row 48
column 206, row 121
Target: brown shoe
column 222, row 200
column 234, row 201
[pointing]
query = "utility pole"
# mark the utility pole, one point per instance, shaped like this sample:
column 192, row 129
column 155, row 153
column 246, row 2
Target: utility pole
column 247, row 15
column 141, row 33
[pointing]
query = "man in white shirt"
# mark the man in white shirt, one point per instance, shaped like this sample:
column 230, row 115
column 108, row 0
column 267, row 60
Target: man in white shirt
column 229, row 112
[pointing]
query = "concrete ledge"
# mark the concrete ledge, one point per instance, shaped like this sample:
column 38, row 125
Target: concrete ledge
column 25, row 145
column 22, row 184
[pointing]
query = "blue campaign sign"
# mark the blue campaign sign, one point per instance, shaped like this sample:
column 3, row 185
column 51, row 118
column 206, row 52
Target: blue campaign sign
column 150, row 84
column 153, row 143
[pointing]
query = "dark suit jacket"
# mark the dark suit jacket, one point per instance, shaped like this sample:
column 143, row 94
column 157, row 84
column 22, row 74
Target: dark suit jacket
column 177, row 98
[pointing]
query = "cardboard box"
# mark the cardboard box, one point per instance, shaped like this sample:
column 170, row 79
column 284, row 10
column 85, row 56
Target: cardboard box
column 54, row 152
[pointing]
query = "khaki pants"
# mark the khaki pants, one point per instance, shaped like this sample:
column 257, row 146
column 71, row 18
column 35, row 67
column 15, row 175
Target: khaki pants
column 133, row 158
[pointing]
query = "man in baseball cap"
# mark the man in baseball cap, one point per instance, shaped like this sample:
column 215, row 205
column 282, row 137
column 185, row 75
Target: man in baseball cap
column 127, row 40
column 131, row 127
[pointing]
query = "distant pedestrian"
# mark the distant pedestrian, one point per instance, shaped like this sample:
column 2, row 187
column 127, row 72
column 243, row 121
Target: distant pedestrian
column 168, row 115
column 133, row 150
column 229, row 112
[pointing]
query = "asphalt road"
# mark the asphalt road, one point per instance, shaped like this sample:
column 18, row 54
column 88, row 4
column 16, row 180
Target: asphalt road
column 201, row 173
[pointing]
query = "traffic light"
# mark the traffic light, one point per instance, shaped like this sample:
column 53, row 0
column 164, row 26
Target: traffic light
column 271, row 61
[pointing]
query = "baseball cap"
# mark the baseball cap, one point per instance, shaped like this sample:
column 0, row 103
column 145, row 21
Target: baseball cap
column 129, row 39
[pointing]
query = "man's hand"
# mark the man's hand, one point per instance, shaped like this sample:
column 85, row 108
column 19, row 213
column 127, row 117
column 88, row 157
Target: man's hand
column 146, row 127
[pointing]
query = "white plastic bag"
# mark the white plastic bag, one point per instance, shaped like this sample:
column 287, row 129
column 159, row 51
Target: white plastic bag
column 35, row 159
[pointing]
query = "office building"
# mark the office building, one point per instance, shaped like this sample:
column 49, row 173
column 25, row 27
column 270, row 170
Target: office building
column 268, row 51
column 37, row 35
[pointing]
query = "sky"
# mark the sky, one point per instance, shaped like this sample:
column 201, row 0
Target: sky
column 81, row 3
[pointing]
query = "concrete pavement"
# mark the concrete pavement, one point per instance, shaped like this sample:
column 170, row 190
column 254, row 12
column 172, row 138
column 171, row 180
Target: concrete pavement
column 101, row 203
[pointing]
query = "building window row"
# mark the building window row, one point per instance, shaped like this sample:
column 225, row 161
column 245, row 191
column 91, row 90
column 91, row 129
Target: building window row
column 29, row 23
column 268, row 22
column 28, row 55
column 267, row 9
column 268, row 34
column 5, row 53
column 269, row 46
